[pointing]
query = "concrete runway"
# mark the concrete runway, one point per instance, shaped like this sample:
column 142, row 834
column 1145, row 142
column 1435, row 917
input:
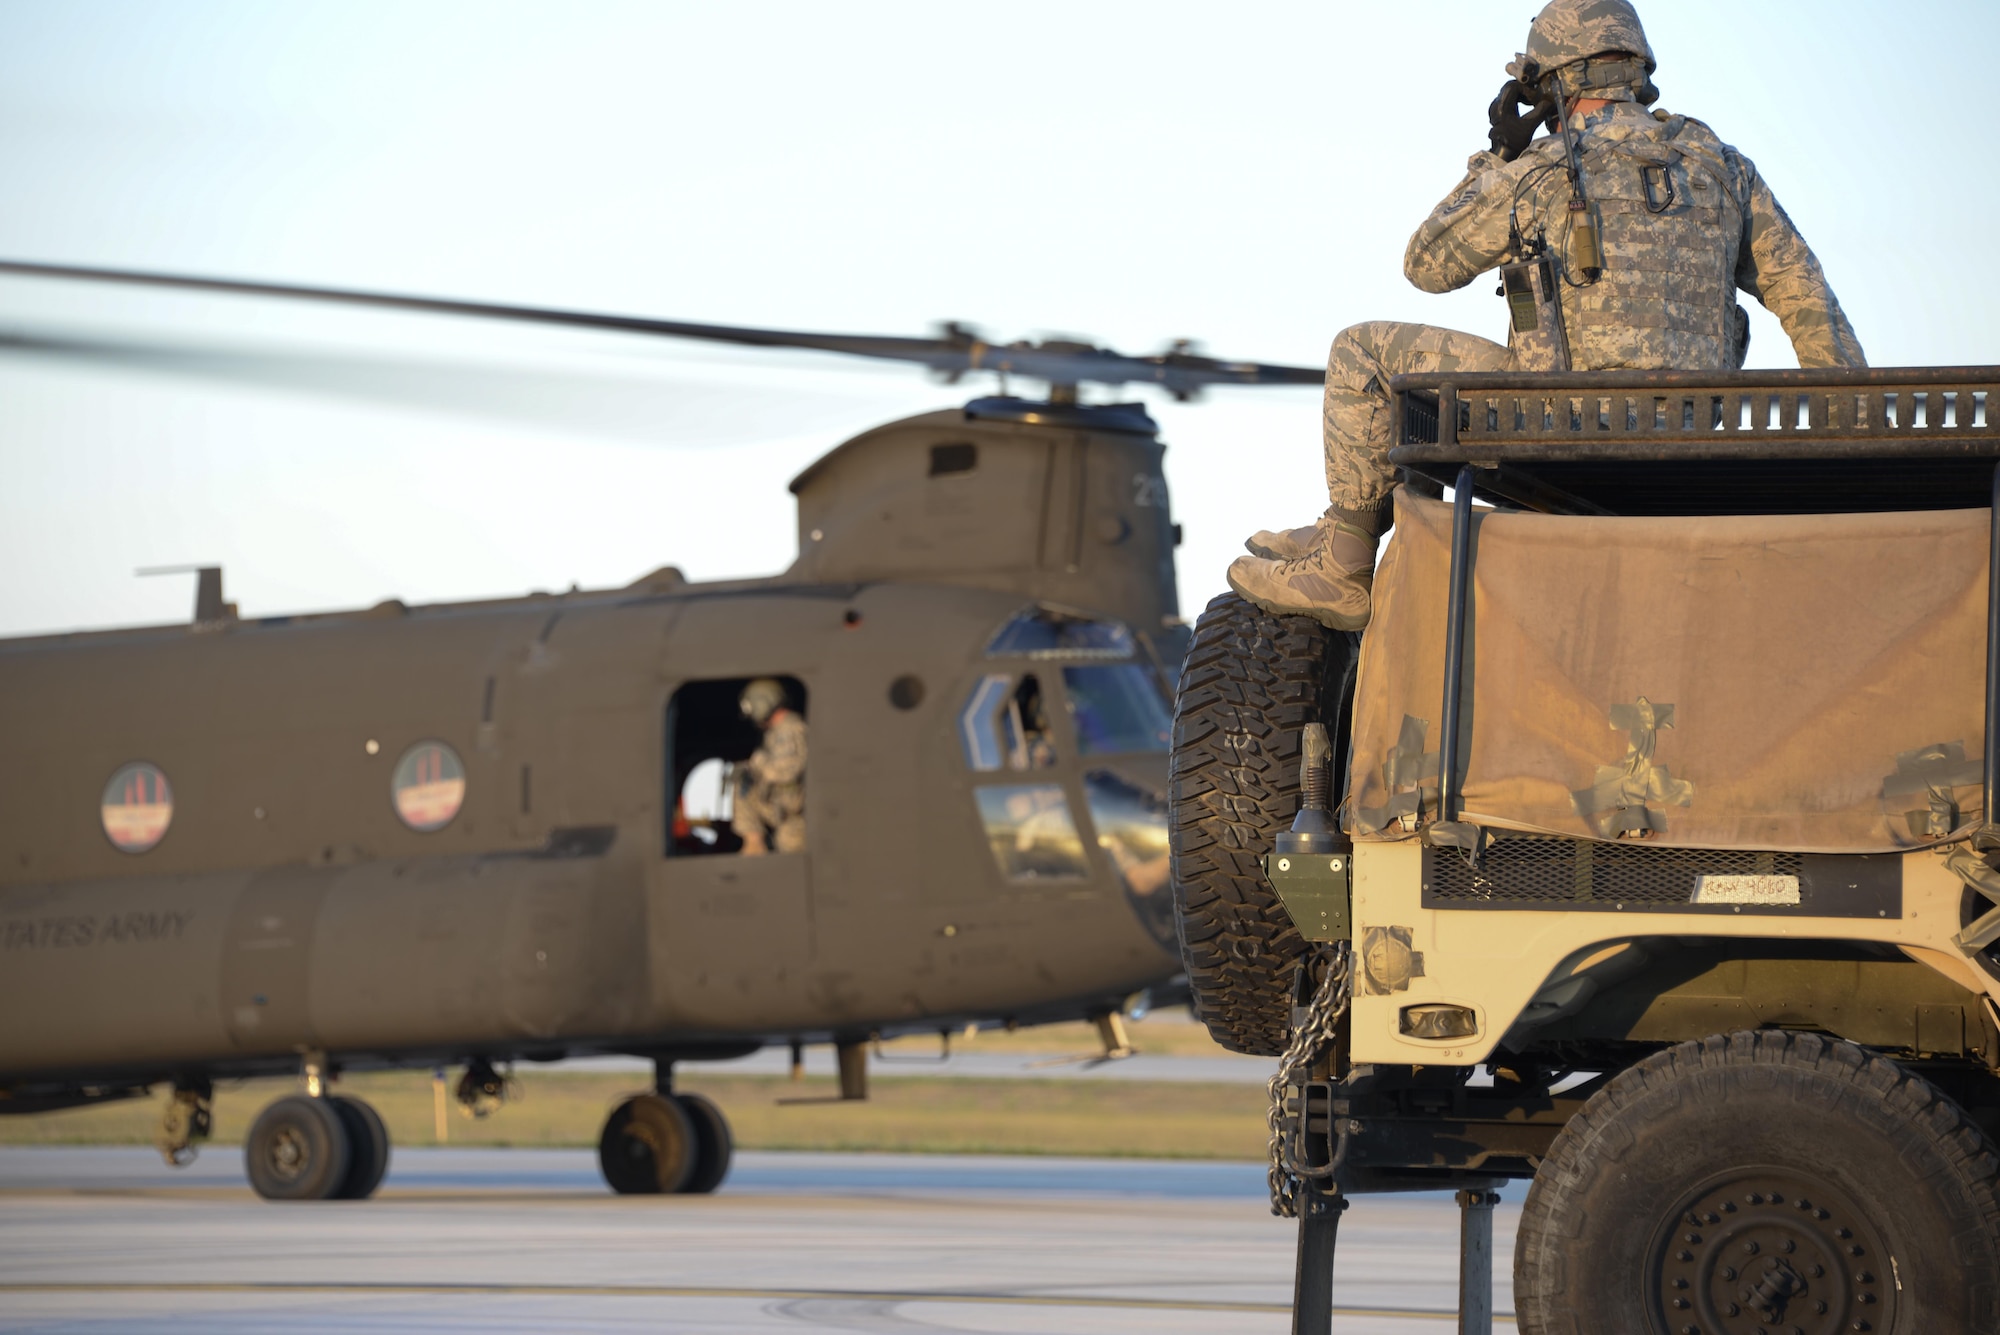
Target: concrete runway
column 105, row 1239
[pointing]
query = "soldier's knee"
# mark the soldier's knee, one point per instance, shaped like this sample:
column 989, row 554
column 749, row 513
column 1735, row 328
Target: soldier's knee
column 1356, row 362
column 1352, row 343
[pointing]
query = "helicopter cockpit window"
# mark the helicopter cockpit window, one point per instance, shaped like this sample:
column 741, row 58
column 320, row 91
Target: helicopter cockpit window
column 979, row 722
column 1005, row 724
column 736, row 758
column 1043, row 632
column 1132, row 830
column 1029, row 829
column 1118, row 708
column 1029, row 745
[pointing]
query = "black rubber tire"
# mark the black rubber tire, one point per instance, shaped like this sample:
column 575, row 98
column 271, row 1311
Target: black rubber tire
column 297, row 1150
column 368, row 1148
column 1673, row 1172
column 648, row 1147
column 1251, row 682
column 714, row 1146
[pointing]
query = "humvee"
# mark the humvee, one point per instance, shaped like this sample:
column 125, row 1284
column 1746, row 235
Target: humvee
column 1641, row 850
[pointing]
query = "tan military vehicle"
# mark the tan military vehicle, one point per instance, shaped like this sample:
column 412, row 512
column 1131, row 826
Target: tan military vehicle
column 1693, row 926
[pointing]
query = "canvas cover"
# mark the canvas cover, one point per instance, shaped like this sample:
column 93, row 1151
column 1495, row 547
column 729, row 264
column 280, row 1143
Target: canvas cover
column 1793, row 682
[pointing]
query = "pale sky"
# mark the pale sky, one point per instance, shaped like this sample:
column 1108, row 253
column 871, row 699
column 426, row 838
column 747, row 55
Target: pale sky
column 1131, row 173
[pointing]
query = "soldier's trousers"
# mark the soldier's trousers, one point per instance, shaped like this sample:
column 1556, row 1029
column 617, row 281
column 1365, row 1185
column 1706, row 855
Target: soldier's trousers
column 782, row 828
column 1359, row 413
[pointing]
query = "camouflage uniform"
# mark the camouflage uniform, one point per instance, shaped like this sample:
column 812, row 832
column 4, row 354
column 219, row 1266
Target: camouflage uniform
column 1666, row 299
column 771, row 790
column 1686, row 220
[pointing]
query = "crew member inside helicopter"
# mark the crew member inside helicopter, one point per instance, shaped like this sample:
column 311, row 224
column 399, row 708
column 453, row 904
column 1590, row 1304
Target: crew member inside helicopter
column 770, row 809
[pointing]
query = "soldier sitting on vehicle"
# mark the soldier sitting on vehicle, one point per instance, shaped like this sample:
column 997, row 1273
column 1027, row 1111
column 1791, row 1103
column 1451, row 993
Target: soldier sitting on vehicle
column 770, row 810
column 1625, row 254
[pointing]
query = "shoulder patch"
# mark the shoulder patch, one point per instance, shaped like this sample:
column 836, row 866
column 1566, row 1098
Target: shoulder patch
column 1463, row 198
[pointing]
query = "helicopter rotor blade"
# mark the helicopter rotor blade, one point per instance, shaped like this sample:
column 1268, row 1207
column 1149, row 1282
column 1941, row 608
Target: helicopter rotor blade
column 651, row 408
column 954, row 351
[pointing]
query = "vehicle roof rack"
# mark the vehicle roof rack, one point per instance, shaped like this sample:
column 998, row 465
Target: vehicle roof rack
column 1700, row 442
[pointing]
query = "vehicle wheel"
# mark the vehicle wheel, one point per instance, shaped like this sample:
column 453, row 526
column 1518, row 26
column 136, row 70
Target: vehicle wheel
column 714, row 1146
column 1251, row 682
column 368, row 1148
column 297, row 1150
column 1763, row 1182
column 648, row 1147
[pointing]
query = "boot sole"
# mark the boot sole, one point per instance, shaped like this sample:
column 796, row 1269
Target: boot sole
column 1330, row 619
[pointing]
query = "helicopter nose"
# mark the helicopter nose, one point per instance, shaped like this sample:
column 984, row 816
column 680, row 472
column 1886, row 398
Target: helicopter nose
column 1131, row 821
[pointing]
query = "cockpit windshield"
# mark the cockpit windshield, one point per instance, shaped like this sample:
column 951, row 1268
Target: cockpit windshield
column 1043, row 632
column 1117, row 708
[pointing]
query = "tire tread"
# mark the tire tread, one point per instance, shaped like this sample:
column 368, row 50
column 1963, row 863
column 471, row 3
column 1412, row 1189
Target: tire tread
column 1250, row 683
column 1917, row 1122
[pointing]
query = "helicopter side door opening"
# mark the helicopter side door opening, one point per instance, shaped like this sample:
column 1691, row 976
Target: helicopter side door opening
column 737, row 779
column 732, row 930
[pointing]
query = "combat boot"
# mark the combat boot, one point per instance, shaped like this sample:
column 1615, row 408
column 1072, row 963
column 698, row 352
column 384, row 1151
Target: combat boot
column 1332, row 583
column 1289, row 544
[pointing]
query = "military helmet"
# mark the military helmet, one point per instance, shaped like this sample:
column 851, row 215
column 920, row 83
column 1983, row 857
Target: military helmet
column 761, row 699
column 1569, row 31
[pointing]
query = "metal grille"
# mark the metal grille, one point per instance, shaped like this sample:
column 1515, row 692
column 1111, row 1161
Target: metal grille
column 1952, row 407
column 1420, row 418
column 1531, row 870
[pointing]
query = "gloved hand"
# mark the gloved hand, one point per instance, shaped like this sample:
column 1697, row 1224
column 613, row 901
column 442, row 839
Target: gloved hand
column 1512, row 131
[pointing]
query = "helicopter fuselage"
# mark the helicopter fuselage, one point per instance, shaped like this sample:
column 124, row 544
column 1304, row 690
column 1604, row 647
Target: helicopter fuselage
column 298, row 895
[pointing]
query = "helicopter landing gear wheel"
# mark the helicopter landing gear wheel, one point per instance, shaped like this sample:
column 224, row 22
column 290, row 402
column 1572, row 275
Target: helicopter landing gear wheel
column 1763, row 1182
column 368, row 1148
column 1251, row 683
column 714, row 1146
column 649, row 1147
column 298, row 1150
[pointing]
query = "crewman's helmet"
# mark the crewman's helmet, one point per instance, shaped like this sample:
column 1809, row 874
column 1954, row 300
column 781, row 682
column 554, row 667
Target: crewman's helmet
column 761, row 699
column 1605, row 33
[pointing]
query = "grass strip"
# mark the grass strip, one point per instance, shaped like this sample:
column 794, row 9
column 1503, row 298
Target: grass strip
column 944, row 1115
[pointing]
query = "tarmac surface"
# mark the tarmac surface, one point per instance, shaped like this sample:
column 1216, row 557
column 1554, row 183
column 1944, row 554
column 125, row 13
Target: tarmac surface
column 108, row 1239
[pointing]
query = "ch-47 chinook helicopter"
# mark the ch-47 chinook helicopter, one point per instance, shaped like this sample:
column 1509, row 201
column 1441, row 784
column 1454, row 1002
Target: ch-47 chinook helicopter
column 484, row 832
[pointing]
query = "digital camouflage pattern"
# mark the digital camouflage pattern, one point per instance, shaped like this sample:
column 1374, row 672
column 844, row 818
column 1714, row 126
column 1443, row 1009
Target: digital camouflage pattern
column 1567, row 31
column 1686, row 220
column 771, row 792
column 1359, row 413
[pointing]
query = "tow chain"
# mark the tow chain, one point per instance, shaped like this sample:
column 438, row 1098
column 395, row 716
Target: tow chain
column 1310, row 1039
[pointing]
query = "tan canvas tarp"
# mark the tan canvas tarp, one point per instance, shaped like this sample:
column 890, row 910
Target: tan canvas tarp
column 1809, row 682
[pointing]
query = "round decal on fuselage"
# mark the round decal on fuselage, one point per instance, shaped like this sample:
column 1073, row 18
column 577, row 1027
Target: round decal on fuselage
column 138, row 807
column 429, row 786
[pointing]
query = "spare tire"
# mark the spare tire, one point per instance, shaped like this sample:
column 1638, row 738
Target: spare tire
column 1251, row 683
